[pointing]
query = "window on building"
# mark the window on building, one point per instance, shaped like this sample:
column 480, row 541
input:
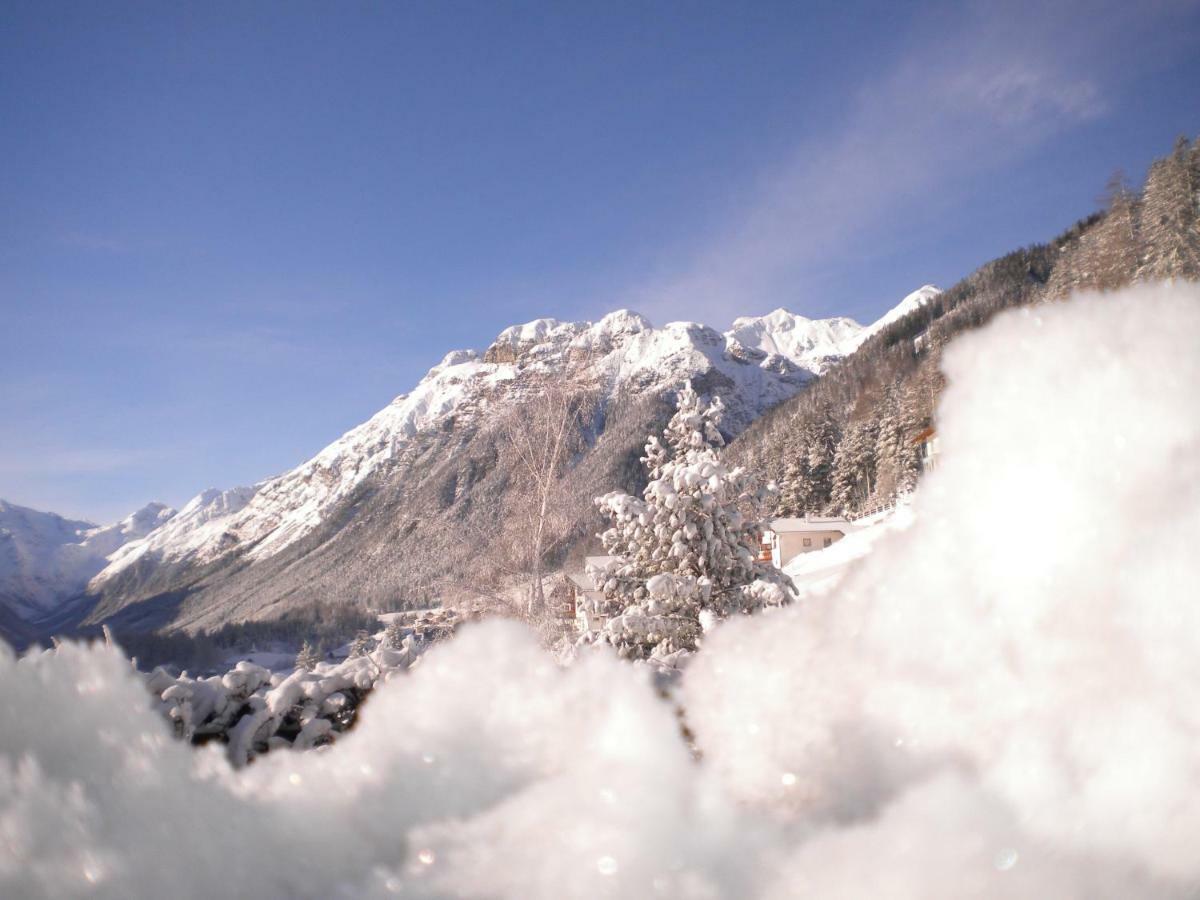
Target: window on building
column 828, row 541
column 808, row 542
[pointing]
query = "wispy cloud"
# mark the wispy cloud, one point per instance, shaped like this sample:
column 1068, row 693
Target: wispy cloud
column 971, row 91
column 1021, row 95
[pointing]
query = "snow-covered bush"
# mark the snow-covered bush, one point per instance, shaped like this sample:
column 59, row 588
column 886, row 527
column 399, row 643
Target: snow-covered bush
column 253, row 710
column 689, row 545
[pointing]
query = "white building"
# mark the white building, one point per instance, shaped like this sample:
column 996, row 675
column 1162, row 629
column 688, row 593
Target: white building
column 587, row 597
column 788, row 538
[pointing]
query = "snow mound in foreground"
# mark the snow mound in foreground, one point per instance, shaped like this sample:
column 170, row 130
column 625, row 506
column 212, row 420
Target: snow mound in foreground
column 1002, row 700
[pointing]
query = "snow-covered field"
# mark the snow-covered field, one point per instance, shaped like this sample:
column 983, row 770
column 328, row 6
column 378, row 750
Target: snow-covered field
column 271, row 660
column 1001, row 699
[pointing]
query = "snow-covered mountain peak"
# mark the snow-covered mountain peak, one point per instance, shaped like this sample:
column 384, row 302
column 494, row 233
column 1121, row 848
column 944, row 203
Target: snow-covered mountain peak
column 213, row 502
column 543, row 337
column 105, row 540
column 539, row 331
column 617, row 324
column 778, row 319
column 455, row 358
column 200, row 519
column 624, row 321
column 911, row 303
column 146, row 519
column 808, row 343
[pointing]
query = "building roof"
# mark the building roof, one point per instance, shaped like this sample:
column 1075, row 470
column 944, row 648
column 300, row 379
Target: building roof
column 810, row 523
column 583, row 580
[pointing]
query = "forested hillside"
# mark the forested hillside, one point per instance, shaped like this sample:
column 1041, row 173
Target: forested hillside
column 850, row 440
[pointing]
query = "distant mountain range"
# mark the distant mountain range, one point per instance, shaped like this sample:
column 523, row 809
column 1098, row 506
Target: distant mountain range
column 46, row 560
column 366, row 518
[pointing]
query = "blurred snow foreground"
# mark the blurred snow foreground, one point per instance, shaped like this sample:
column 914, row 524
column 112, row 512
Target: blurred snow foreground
column 1002, row 700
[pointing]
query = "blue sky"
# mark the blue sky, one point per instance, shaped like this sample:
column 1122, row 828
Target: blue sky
column 230, row 232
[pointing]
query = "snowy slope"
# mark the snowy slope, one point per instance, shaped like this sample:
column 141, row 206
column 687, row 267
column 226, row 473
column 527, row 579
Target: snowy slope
column 45, row 558
column 202, row 519
column 911, row 303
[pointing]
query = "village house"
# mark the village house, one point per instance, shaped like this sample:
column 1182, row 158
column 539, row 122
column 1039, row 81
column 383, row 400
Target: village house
column 927, row 440
column 787, row 538
column 587, row 597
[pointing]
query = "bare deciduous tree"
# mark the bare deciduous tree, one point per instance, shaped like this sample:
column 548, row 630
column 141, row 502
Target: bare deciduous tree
column 540, row 435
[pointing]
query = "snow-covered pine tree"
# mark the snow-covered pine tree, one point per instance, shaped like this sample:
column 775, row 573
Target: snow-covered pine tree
column 791, row 475
column 889, row 438
column 1171, row 215
column 821, row 435
column 308, row 657
column 689, row 544
column 1119, row 239
column 361, row 645
column 908, row 454
column 854, row 465
column 393, row 635
column 795, row 488
column 897, row 458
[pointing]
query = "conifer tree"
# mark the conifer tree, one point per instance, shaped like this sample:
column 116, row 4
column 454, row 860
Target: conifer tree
column 897, row 457
column 1170, row 219
column 822, row 436
column 308, row 657
column 689, row 545
column 795, row 489
column 361, row 645
column 912, row 420
column 1118, row 238
column 854, row 466
column 393, row 635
